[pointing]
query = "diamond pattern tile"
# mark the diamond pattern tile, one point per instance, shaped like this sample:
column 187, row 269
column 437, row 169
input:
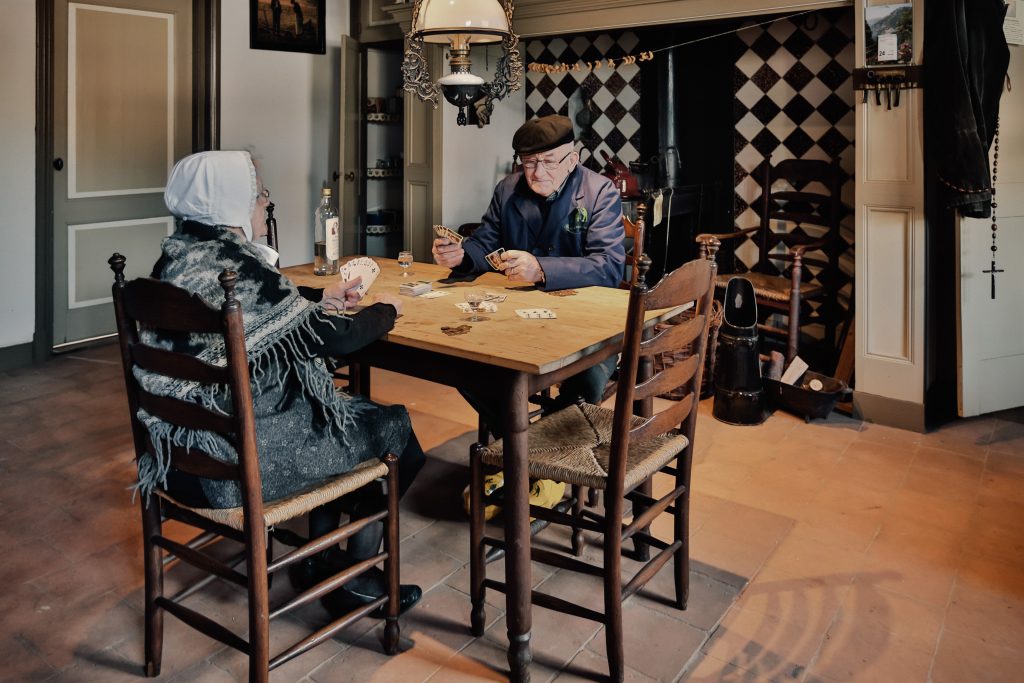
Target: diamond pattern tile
column 798, row 109
column 765, row 109
column 765, row 77
column 798, row 76
column 834, row 74
column 797, row 44
column 765, row 45
column 834, row 108
column 798, row 142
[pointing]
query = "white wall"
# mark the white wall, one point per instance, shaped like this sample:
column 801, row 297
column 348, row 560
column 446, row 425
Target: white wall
column 17, row 172
column 475, row 159
column 283, row 107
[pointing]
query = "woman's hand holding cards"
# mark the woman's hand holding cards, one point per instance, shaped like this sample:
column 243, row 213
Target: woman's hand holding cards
column 343, row 291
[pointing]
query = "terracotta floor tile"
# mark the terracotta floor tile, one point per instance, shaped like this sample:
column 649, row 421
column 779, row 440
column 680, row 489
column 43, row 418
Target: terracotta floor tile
column 865, row 654
column 654, row 644
column 712, row 670
column 988, row 602
column 868, row 607
column 811, row 602
column 765, row 646
column 962, row 657
column 590, row 666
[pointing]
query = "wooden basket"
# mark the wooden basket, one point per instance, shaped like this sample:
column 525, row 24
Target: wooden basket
column 668, row 359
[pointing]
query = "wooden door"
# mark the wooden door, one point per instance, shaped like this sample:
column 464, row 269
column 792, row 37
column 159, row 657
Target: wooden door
column 991, row 331
column 122, row 115
column 349, row 181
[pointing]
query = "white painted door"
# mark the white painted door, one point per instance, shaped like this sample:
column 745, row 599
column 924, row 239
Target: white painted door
column 991, row 331
column 122, row 115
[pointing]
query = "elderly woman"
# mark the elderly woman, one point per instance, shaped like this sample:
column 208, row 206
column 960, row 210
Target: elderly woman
column 306, row 431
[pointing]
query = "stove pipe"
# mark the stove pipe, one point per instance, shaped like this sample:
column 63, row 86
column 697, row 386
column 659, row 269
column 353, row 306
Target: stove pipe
column 668, row 145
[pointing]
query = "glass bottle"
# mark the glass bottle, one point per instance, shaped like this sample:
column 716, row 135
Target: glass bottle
column 326, row 236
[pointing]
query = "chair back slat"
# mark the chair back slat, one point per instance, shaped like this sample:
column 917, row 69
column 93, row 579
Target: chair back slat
column 200, row 463
column 668, row 419
column 158, row 304
column 177, row 365
column 185, row 413
column 668, row 380
column 673, row 337
column 681, row 286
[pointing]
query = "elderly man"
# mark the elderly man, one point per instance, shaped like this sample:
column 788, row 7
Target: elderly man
column 561, row 227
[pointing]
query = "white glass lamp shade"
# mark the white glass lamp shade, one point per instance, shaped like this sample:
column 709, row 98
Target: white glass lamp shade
column 479, row 21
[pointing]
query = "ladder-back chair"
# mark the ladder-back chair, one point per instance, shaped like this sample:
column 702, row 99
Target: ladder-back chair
column 615, row 451
column 153, row 304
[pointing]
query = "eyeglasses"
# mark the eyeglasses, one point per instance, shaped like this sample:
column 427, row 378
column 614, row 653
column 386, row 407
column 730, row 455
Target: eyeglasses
column 532, row 164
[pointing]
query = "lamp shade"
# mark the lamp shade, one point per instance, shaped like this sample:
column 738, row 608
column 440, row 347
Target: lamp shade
column 479, row 21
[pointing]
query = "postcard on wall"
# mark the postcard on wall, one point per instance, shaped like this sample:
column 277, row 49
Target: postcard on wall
column 889, row 34
column 1013, row 24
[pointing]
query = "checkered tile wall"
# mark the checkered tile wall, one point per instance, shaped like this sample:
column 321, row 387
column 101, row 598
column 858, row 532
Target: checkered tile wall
column 614, row 92
column 793, row 99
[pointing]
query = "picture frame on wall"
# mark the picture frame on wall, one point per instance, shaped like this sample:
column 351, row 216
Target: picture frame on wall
column 288, row 25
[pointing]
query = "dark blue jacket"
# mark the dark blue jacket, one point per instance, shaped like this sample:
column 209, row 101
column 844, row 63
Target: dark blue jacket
column 580, row 245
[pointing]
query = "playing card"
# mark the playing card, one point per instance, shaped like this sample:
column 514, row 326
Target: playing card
column 494, row 297
column 536, row 313
column 494, row 258
column 444, row 232
column 485, row 307
column 433, row 295
column 364, row 267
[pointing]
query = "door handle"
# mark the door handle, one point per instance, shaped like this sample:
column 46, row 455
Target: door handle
column 58, row 164
column 350, row 176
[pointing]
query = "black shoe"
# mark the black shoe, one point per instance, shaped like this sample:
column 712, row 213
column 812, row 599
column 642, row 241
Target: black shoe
column 306, row 573
column 344, row 600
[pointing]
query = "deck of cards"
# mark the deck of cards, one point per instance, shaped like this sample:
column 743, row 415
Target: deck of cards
column 414, row 288
column 444, row 232
column 494, row 258
column 536, row 313
column 364, row 267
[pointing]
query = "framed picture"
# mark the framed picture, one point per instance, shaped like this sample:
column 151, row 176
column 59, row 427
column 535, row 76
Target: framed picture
column 289, row 25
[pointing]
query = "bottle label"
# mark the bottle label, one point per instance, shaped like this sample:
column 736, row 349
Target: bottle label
column 333, row 238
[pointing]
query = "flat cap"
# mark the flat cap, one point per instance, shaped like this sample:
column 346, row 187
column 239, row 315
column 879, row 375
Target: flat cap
column 540, row 135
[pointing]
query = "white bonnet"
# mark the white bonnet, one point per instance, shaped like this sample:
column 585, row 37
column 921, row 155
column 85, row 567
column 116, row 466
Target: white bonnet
column 214, row 188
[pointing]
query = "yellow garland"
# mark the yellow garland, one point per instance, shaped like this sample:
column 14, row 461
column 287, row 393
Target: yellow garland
column 538, row 67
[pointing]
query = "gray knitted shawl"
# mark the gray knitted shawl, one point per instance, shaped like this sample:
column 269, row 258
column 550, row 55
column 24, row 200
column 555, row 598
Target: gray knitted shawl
column 278, row 332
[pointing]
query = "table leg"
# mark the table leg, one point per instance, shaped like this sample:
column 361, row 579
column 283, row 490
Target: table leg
column 517, row 529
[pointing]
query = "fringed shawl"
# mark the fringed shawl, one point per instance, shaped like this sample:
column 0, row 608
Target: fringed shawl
column 278, row 334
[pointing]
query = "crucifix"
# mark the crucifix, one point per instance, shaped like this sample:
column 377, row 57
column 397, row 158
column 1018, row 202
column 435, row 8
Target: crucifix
column 993, row 272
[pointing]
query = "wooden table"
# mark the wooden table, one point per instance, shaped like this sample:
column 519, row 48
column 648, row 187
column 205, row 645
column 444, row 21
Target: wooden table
column 505, row 357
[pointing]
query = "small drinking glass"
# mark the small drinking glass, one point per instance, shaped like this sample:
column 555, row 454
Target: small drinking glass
column 473, row 300
column 405, row 261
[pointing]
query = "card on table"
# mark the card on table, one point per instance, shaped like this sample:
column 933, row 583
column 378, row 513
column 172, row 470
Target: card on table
column 494, row 258
column 536, row 313
column 433, row 294
column 444, row 232
column 364, row 267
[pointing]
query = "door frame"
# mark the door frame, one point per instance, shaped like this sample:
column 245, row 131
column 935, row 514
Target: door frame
column 206, row 18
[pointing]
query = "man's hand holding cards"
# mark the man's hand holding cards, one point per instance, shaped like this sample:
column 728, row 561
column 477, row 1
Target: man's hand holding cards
column 519, row 266
column 447, row 249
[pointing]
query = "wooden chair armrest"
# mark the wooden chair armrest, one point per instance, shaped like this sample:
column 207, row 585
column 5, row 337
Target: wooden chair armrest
column 727, row 235
column 799, row 249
